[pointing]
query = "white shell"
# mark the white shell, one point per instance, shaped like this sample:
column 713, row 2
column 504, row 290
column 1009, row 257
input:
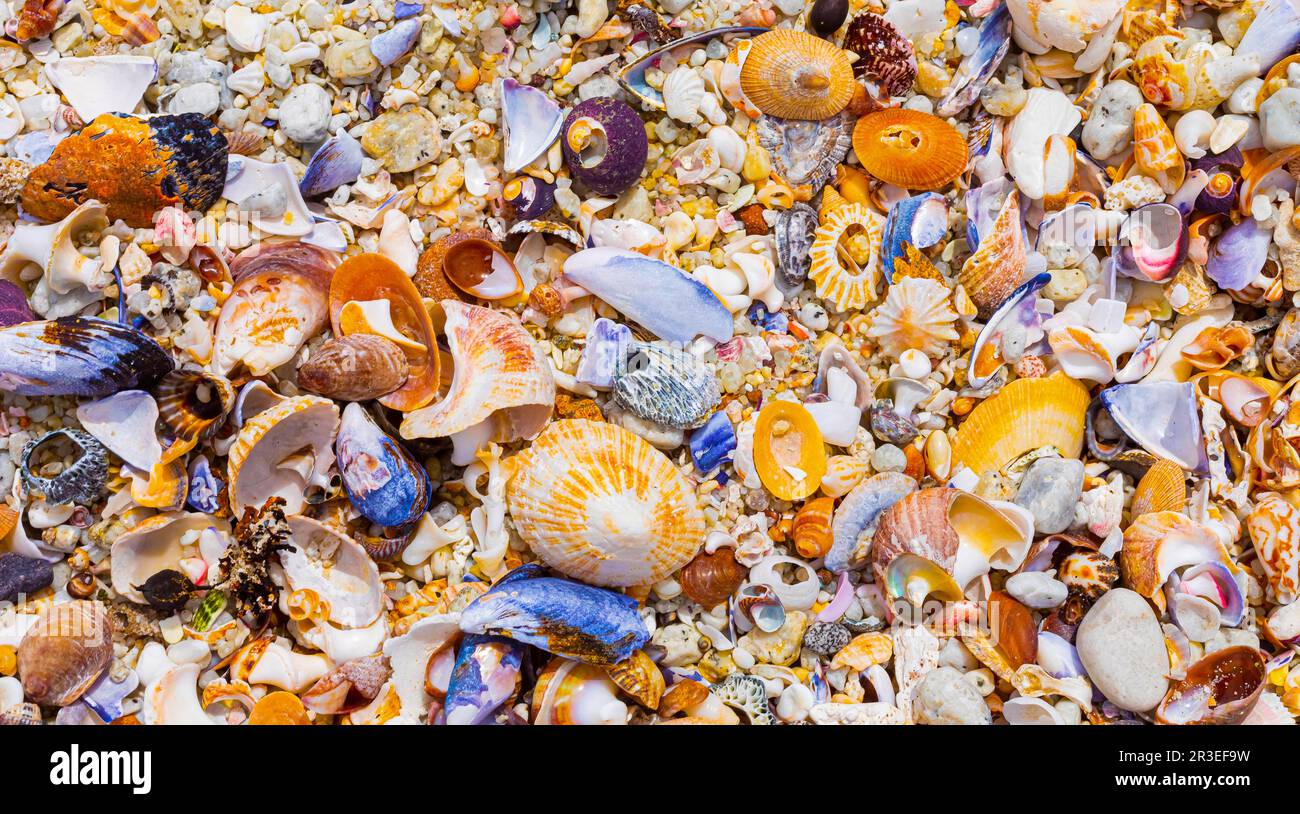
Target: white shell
column 125, row 423
column 173, row 698
column 53, row 247
column 269, row 193
column 1046, row 113
column 158, row 544
column 104, row 84
column 337, row 568
column 684, row 93
column 1064, row 24
column 409, row 656
column 281, row 451
column 395, row 241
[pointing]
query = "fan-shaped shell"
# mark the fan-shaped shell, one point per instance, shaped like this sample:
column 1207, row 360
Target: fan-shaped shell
column 996, row 269
column 601, row 505
column 64, row 652
column 909, row 148
column 1025, row 415
column 157, row 544
column 916, row 315
column 795, row 75
column 1162, row 489
column 281, row 451
column 853, row 285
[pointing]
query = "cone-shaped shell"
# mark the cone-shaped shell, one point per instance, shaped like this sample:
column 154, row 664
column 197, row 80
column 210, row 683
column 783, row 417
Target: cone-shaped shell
column 500, row 376
column 996, row 269
column 839, row 278
column 191, row 405
column 368, row 277
column 1154, row 149
column 64, row 652
column 909, row 148
column 1162, row 489
column 1025, row 415
column 601, row 505
column 282, row 451
column 795, row 75
column 156, row 545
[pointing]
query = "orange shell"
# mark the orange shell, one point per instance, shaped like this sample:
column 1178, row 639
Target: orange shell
column 1159, row 542
column 639, row 677
column 1154, row 150
column 787, row 438
column 684, row 694
column 1213, row 348
column 998, row 265
column 1274, row 527
column 1162, row 489
column 908, row 148
column 794, row 75
column 812, row 528
column 863, row 651
column 710, row 579
column 372, row 277
column 838, row 277
column 279, row 709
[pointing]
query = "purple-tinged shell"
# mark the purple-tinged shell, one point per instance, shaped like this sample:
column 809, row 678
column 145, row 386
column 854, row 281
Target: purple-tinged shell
column 1230, row 158
column 1162, row 417
column 105, row 698
column 1144, row 356
column 605, row 350
column 393, row 44
column 402, row 11
column 484, row 677
column 604, row 144
column 1017, row 317
column 1273, row 34
column 14, row 307
column 1220, row 193
column 21, row 575
column 337, row 162
column 560, row 616
column 1058, row 657
column 921, row 220
column 713, row 443
column 982, row 206
column 78, row 356
column 531, row 122
column 978, row 68
column 1156, row 239
column 795, row 229
column 885, row 56
column 858, row 512
column 661, row 298
column 205, row 487
column 1238, row 256
column 1215, row 582
column 531, row 197
column 383, row 482
column 1185, row 197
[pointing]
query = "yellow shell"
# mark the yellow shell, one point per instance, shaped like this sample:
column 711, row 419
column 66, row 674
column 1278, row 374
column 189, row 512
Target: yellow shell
column 843, row 472
column 864, row 651
column 788, row 450
column 601, row 505
column 812, row 528
column 264, row 460
column 909, row 148
column 1163, row 79
column 794, row 75
column 1154, row 149
column 998, row 265
column 1162, row 489
column 1025, row 415
column 845, row 256
column 640, row 678
column 166, row 488
column 915, row 315
column 570, row 693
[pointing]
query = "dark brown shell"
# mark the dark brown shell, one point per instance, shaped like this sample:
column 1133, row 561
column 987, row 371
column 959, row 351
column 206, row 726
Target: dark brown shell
column 1017, row 631
column 191, row 405
column 884, row 55
column 64, row 652
column 1221, row 688
column 710, row 579
column 359, row 367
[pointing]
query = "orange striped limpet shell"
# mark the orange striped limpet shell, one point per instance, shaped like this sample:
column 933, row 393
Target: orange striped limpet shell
column 910, row 149
column 845, row 256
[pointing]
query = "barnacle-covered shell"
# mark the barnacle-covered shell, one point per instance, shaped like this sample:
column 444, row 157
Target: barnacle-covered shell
column 916, row 315
column 997, row 267
column 282, row 451
column 665, row 385
column 359, row 367
column 789, row 453
column 848, row 279
column 78, row 356
column 795, row 75
column 710, row 579
column 909, row 148
column 599, row 504
column 885, row 56
column 1027, row 414
column 640, row 678
column 79, row 482
column 383, row 481
column 64, row 652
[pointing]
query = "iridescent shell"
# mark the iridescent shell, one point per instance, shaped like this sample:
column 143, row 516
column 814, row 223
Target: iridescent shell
column 1017, row 316
column 359, row 367
column 599, row 504
column 855, row 285
column 64, row 652
column 1025, row 415
column 191, row 406
column 1222, row 688
column 501, row 387
column 806, row 152
column 532, row 123
column 909, row 148
column 789, row 453
column 134, row 165
column 665, row 385
column 279, row 302
column 78, row 356
column 978, row 67
column 281, row 452
column 485, row 676
column 794, row 75
column 855, row 519
column 383, row 481
column 916, row 315
column 997, row 267
column 572, row 693
column 1274, row 527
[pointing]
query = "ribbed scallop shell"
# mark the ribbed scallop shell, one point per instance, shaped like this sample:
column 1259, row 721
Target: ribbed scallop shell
column 916, row 315
column 1162, row 489
column 846, row 287
column 997, row 267
column 1154, row 149
column 297, row 427
column 909, row 148
column 1025, row 415
column 500, row 373
column 601, row 505
column 795, row 75
column 916, row 524
column 64, row 652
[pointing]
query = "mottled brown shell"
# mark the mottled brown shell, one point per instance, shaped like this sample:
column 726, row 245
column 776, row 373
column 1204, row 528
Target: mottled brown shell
column 710, row 579
column 359, row 367
column 64, row 652
column 546, row 300
column 685, row 694
column 885, row 56
column 1088, row 574
column 37, row 19
column 430, row 276
column 640, row 678
column 1222, row 688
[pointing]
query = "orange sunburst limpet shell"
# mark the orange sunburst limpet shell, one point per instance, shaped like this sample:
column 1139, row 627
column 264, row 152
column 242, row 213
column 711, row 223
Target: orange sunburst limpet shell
column 794, row 75
column 908, row 148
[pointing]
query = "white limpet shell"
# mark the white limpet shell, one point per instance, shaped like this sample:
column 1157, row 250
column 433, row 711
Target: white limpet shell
column 277, row 665
column 409, row 656
column 282, row 451
column 1046, row 113
column 337, row 568
column 53, row 247
column 113, row 83
column 125, row 422
column 159, row 543
column 1026, row 711
column 1064, row 24
column 269, row 193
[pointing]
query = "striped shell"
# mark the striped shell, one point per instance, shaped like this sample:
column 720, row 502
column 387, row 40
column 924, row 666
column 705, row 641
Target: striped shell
column 909, row 148
column 64, row 652
column 854, row 286
column 916, row 315
column 812, row 528
column 795, row 75
column 1162, row 489
column 1154, row 149
column 601, row 505
column 998, row 265
column 281, row 451
column 1274, row 528
column 1025, row 415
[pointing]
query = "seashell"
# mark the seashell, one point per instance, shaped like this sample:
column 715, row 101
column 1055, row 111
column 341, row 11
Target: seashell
column 359, row 367
column 683, row 93
column 335, row 163
column 1016, row 323
column 1214, row 347
column 384, row 483
column 711, row 578
column 162, row 543
column 271, row 662
column 1273, row 33
column 915, row 315
column 337, row 568
column 1220, row 193
column 78, row 356
column 1046, row 113
column 857, row 514
column 165, row 486
column 191, row 405
column 567, row 618
column 1089, row 355
column 713, row 442
column 535, row 119
column 21, row 715
column 920, row 221
column 37, row 19
column 997, row 267
column 484, row 677
column 1025, row 415
column 909, row 148
column 1088, row 574
column 1156, row 241
column 1238, row 256
column 410, row 656
column 806, row 152
column 269, row 194
column 640, row 678
column 124, row 423
column 847, row 277
column 885, row 57
column 599, row 504
column 1158, row 544
column 183, row 156
column 371, row 277
column 604, row 144
column 570, row 692
column 812, row 528
column 54, row 248
column 1272, row 525
column 669, row 303
column 481, row 269
column 788, row 450
column 1162, row 489
column 530, row 197
column 664, row 385
column 80, row 482
column 1162, row 417
column 205, row 487
column 113, row 83
column 794, row 75
column 282, row 451
column 978, row 68
column 501, row 387
column 795, row 230
column 1066, row 26
column 1221, row 688
column 14, row 307
column 393, row 44
column 64, row 652
column 917, row 579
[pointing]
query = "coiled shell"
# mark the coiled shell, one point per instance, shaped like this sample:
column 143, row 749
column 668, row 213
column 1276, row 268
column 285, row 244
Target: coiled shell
column 711, row 579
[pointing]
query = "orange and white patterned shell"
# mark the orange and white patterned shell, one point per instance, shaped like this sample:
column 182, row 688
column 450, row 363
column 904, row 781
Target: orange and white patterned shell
column 599, row 504
column 297, row 429
column 998, row 265
column 915, row 315
column 500, row 373
column 1154, row 149
column 847, row 281
column 1274, row 527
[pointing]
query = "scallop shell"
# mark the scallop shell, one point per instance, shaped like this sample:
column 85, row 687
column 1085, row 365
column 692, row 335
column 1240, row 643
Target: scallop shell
column 916, row 315
column 855, row 286
column 64, row 652
column 282, row 451
column 665, row 385
column 789, row 453
column 640, row 678
column 806, row 152
column 795, row 75
column 997, row 267
column 1162, row 489
column 501, row 381
column 909, row 148
column 1159, row 543
column 191, row 406
column 359, row 367
column 158, row 544
column 1025, row 415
